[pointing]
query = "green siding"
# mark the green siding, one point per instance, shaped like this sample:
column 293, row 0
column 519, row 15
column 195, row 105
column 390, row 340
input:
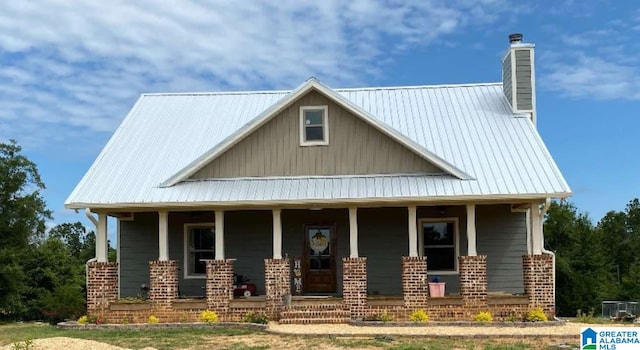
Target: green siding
column 524, row 90
column 383, row 239
column 138, row 245
column 501, row 235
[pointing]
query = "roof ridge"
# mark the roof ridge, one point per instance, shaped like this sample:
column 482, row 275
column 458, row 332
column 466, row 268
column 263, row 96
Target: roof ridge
column 370, row 88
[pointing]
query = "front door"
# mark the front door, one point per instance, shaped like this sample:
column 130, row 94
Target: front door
column 319, row 259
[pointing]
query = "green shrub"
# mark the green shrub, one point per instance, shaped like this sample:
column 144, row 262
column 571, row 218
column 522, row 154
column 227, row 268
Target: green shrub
column 513, row 317
column 83, row 319
column 209, row 316
column 153, row 319
column 536, row 315
column 383, row 316
column 419, row 316
column 584, row 317
column 483, row 317
column 25, row 345
column 255, row 317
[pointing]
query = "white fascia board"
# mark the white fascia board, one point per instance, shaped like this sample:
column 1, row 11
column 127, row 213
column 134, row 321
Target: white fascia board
column 271, row 112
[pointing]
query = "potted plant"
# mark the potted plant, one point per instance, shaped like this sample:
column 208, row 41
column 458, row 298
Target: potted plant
column 436, row 288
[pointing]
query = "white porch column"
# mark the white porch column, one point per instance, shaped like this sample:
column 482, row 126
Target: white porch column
column 471, row 230
column 219, row 248
column 101, row 238
column 277, row 234
column 536, row 229
column 163, row 235
column 353, row 232
column 413, row 231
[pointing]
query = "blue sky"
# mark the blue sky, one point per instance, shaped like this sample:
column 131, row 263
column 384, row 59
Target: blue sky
column 70, row 72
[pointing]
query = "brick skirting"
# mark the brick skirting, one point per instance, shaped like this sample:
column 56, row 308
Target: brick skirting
column 163, row 282
column 473, row 282
column 415, row 287
column 538, row 279
column 102, row 286
column 219, row 286
column 354, row 286
column 277, row 283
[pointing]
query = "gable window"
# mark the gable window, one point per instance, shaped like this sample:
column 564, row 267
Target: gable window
column 314, row 129
column 439, row 241
column 198, row 245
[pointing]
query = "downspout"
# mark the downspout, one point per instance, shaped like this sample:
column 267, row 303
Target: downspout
column 547, row 204
column 88, row 213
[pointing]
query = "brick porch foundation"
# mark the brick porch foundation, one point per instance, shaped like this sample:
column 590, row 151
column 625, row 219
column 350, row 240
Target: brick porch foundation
column 473, row 283
column 163, row 283
column 219, row 286
column 538, row 279
column 354, row 286
column 102, row 286
column 277, row 283
column 415, row 287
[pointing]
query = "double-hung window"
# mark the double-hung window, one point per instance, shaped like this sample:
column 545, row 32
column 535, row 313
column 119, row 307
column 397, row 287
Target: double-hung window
column 439, row 240
column 314, row 129
column 198, row 246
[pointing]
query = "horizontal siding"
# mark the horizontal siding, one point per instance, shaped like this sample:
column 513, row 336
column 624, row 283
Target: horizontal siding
column 524, row 88
column 138, row 246
column 501, row 235
column 383, row 239
column 355, row 148
column 248, row 238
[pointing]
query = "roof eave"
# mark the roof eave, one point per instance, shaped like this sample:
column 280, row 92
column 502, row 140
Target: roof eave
column 424, row 200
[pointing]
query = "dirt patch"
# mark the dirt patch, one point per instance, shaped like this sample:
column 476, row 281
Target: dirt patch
column 62, row 343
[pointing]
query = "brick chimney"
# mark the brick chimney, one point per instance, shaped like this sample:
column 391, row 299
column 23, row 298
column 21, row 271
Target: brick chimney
column 518, row 76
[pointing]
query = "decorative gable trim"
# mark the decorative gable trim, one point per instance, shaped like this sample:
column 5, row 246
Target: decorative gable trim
column 268, row 114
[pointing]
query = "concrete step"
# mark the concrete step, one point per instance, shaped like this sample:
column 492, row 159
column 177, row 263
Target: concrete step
column 320, row 320
column 306, row 314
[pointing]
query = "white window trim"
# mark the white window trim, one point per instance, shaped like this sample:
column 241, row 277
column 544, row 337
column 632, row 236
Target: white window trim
column 456, row 240
column 187, row 276
column 325, row 126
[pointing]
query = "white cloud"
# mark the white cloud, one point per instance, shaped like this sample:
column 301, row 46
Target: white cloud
column 594, row 77
column 80, row 65
column 599, row 63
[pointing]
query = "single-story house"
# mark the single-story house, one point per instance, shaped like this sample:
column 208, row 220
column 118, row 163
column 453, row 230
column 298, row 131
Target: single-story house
column 335, row 204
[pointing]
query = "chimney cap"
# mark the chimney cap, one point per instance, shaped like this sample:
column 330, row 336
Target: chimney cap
column 515, row 38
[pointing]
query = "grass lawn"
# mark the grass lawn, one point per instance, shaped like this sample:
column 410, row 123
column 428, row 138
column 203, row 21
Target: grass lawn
column 225, row 338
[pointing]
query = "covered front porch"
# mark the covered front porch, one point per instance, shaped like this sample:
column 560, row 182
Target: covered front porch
column 370, row 259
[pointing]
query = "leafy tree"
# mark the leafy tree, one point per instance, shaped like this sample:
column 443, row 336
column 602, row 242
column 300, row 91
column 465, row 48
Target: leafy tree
column 581, row 270
column 22, row 219
column 54, row 290
column 620, row 240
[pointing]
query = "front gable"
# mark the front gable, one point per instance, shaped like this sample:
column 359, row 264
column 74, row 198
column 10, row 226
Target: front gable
column 354, row 148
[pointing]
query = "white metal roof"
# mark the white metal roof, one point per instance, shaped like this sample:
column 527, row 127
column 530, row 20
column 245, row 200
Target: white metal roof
column 470, row 127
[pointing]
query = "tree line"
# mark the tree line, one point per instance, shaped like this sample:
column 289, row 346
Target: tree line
column 42, row 271
column 594, row 262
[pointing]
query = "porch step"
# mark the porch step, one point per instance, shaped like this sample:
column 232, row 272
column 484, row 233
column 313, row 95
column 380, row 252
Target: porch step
column 314, row 314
